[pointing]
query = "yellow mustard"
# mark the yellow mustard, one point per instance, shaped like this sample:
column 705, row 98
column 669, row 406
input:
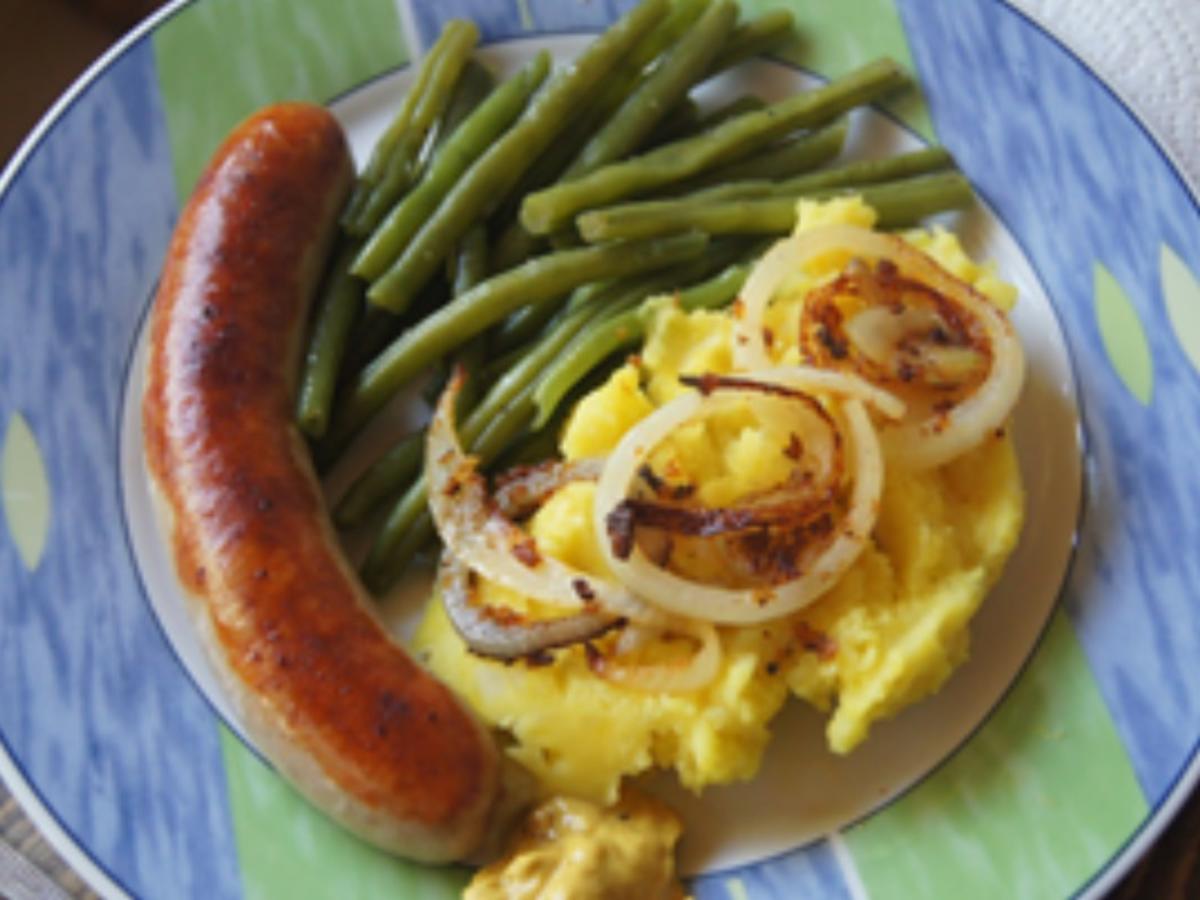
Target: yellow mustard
column 570, row 849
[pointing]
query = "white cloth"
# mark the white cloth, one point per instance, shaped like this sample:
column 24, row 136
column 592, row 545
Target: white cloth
column 1148, row 51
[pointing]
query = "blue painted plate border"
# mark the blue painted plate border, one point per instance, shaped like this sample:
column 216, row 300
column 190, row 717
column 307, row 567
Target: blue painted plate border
column 1181, row 784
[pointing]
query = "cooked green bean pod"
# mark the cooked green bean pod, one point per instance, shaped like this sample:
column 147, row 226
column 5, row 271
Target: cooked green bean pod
column 607, row 295
column 515, row 244
column 469, row 266
column 339, row 304
column 385, row 145
column 624, row 329
column 551, row 209
column 653, row 215
column 470, row 140
column 381, row 481
column 446, row 61
column 488, row 303
column 682, row 66
column 408, row 527
column 505, row 409
column 768, row 32
column 738, row 106
column 784, row 160
column 851, row 174
column 474, row 85
column 489, row 179
column 897, row 203
column 682, row 120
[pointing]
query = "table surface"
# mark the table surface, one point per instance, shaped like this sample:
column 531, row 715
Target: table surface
column 58, row 38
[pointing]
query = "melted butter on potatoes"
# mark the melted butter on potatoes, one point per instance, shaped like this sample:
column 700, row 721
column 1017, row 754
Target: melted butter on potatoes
column 889, row 633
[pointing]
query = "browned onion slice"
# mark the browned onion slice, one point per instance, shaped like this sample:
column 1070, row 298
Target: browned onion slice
column 500, row 632
column 474, row 530
column 835, row 548
column 519, row 491
column 969, row 357
column 793, row 504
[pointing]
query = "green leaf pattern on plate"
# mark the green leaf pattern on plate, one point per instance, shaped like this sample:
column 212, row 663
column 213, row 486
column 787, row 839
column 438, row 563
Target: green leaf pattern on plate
column 220, row 60
column 1123, row 336
column 288, row 849
column 26, row 491
column 836, row 37
column 1181, row 290
column 1042, row 795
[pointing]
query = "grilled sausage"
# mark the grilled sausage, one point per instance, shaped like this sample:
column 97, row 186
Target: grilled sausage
column 334, row 703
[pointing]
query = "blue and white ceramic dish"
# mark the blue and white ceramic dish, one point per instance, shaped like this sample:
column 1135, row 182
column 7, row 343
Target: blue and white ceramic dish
column 1044, row 768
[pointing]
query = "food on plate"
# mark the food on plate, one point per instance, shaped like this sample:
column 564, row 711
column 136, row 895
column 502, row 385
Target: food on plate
column 568, row 847
column 802, row 483
column 319, row 684
column 739, row 421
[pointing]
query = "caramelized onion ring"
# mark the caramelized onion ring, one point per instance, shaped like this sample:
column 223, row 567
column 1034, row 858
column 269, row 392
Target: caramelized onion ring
column 519, row 491
column 686, row 597
column 922, row 441
column 478, row 534
column 501, row 633
column 788, row 505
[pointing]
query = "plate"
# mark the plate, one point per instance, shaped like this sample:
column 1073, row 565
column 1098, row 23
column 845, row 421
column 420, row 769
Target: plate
column 1044, row 767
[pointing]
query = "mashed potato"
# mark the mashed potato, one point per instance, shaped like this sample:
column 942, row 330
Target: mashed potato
column 889, row 633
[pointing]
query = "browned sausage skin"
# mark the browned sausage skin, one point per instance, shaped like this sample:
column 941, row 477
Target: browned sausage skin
column 336, row 705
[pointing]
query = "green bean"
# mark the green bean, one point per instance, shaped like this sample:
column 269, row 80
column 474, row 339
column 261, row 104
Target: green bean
column 380, row 481
column 686, row 120
column 486, row 183
column 631, row 71
column 525, row 323
column 470, row 264
column 870, row 171
column 488, row 303
column 509, row 400
column 338, row 306
column 409, row 527
column 377, row 327
column 738, row 106
column 754, row 38
column 614, row 296
column 508, row 358
column 549, row 210
column 897, row 204
column 474, row 85
column 651, row 216
column 477, row 132
column 501, row 430
column 515, row 244
column 527, row 370
column 446, row 61
column 665, row 86
column 783, row 160
column 538, row 445
column 391, row 473
column 682, row 119
column 625, row 329
column 385, row 146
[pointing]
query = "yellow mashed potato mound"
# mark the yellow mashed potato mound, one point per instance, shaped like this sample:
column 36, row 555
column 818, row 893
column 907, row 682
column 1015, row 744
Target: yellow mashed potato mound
column 889, row 633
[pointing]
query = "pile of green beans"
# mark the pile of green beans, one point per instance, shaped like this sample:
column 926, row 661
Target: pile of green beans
column 522, row 230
